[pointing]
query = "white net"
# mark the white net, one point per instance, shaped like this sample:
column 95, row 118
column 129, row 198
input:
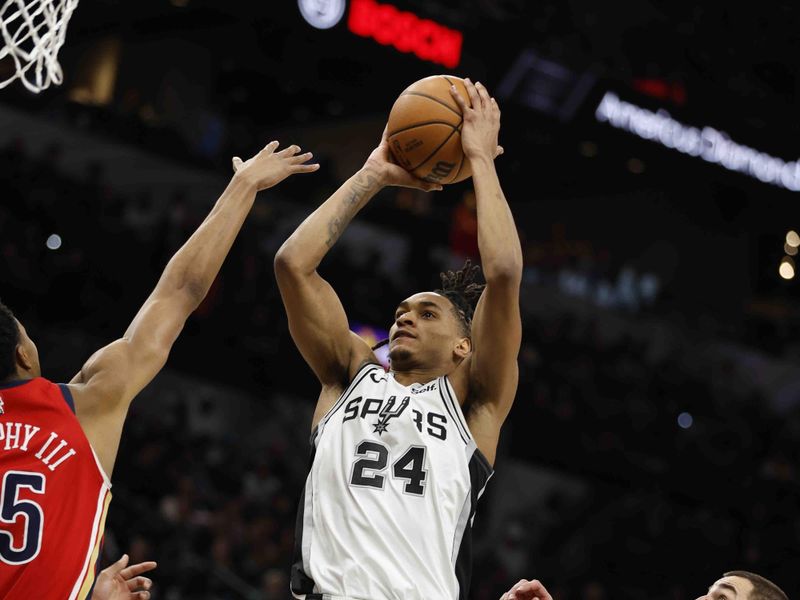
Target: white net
column 32, row 33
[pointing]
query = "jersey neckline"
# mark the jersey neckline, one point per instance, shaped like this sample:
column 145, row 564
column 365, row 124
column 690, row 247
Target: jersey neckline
column 391, row 373
column 15, row 383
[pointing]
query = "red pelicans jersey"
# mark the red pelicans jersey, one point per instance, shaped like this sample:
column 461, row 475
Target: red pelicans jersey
column 54, row 495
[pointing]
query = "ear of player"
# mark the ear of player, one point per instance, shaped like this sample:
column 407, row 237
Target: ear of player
column 426, row 127
column 271, row 166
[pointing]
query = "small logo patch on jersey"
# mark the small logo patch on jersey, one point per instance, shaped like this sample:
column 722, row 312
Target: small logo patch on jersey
column 2, row 408
column 377, row 379
column 431, row 387
column 387, row 414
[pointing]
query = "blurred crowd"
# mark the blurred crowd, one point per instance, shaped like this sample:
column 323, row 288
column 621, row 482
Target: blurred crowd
column 669, row 459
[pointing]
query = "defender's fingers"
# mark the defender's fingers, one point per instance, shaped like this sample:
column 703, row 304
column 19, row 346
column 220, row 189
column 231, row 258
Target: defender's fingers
column 138, row 569
column 139, row 583
column 536, row 587
column 289, row 150
column 474, row 97
column 269, row 148
column 141, row 596
column 462, row 103
column 118, row 566
column 301, row 158
column 237, row 163
column 305, row 168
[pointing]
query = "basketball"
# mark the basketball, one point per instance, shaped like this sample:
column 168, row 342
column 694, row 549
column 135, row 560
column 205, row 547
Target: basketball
column 424, row 130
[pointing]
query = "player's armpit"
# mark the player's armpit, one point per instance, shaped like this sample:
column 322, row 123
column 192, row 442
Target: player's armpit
column 115, row 374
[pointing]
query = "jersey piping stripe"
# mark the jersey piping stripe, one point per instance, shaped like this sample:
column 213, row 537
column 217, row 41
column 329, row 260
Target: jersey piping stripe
column 360, row 374
column 85, row 581
column 456, row 407
column 100, row 468
column 461, row 526
column 459, row 416
column 65, row 391
column 67, row 396
column 479, row 474
column 452, row 418
column 15, row 383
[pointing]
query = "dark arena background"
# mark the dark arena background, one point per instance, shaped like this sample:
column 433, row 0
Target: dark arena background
column 651, row 162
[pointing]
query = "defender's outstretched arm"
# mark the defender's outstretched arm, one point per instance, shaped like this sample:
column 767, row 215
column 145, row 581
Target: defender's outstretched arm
column 496, row 325
column 112, row 377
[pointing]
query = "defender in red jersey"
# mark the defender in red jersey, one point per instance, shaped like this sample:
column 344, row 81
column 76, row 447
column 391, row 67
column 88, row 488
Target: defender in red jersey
column 58, row 442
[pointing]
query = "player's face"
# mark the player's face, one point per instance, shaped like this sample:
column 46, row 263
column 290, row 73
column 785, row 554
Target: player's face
column 31, row 352
column 729, row 588
column 425, row 331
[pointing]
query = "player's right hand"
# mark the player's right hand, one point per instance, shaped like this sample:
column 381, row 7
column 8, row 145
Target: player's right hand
column 121, row 582
column 390, row 173
column 269, row 168
column 527, row 590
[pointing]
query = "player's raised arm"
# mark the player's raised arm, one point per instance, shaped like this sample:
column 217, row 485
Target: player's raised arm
column 496, row 325
column 112, row 377
column 317, row 320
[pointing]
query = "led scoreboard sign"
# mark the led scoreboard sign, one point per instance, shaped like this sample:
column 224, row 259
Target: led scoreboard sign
column 406, row 32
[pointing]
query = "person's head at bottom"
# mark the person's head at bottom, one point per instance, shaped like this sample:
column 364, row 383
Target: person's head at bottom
column 743, row 585
column 733, row 585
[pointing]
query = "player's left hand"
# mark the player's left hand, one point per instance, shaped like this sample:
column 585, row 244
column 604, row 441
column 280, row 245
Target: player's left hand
column 390, row 173
column 121, row 582
column 481, row 127
column 527, row 590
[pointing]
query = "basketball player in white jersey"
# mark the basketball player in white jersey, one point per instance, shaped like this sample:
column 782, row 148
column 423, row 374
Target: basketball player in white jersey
column 399, row 459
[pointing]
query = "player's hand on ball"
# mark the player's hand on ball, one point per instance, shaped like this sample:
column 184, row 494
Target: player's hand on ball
column 481, row 122
column 390, row 173
column 122, row 582
column 527, row 590
column 269, row 168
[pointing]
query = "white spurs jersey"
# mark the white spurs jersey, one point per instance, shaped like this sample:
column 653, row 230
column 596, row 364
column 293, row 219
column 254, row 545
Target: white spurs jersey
column 388, row 505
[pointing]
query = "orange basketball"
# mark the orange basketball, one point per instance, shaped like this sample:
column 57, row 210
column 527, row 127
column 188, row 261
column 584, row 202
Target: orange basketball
column 424, row 130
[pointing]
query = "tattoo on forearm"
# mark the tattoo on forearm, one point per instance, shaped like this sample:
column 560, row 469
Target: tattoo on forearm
column 363, row 187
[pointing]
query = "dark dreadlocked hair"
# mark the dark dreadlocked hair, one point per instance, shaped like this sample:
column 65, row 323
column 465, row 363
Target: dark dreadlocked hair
column 460, row 288
column 9, row 339
column 463, row 292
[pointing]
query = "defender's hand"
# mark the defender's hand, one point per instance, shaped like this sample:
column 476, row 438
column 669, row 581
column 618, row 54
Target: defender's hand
column 268, row 168
column 390, row 173
column 527, row 590
column 481, row 122
column 121, row 582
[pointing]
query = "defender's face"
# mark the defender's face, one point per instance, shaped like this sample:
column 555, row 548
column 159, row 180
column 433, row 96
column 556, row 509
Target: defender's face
column 30, row 350
column 729, row 588
column 425, row 329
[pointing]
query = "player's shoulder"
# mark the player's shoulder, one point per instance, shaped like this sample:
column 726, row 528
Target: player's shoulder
column 361, row 355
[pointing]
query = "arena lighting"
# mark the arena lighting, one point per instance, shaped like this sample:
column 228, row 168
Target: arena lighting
column 322, row 14
column 406, row 32
column 685, row 420
column 707, row 143
column 793, row 239
column 790, row 250
column 786, row 270
column 53, row 242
